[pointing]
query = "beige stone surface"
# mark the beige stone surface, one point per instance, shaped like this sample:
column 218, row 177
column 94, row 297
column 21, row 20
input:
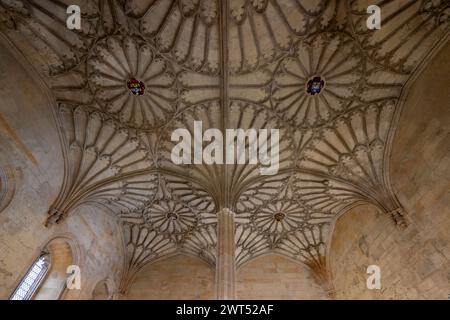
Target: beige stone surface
column 31, row 145
column 415, row 263
column 91, row 161
column 178, row 277
column 276, row 277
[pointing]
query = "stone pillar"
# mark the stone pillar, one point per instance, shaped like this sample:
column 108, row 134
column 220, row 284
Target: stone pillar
column 225, row 264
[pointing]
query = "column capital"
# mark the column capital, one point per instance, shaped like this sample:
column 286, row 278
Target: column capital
column 226, row 211
column 399, row 217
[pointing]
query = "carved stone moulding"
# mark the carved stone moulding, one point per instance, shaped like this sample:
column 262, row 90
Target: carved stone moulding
column 115, row 65
column 7, row 186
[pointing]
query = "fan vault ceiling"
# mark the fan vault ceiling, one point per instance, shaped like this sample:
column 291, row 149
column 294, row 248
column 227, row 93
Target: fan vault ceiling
column 231, row 64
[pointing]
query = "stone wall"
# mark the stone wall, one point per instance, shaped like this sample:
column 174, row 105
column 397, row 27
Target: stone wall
column 276, row 277
column 176, row 277
column 29, row 144
column 415, row 263
column 102, row 255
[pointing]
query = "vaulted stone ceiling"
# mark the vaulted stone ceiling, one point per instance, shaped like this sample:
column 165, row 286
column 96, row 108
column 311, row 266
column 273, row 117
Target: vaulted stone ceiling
column 232, row 64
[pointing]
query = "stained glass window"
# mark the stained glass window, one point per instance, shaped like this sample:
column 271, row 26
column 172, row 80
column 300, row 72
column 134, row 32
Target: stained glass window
column 30, row 283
